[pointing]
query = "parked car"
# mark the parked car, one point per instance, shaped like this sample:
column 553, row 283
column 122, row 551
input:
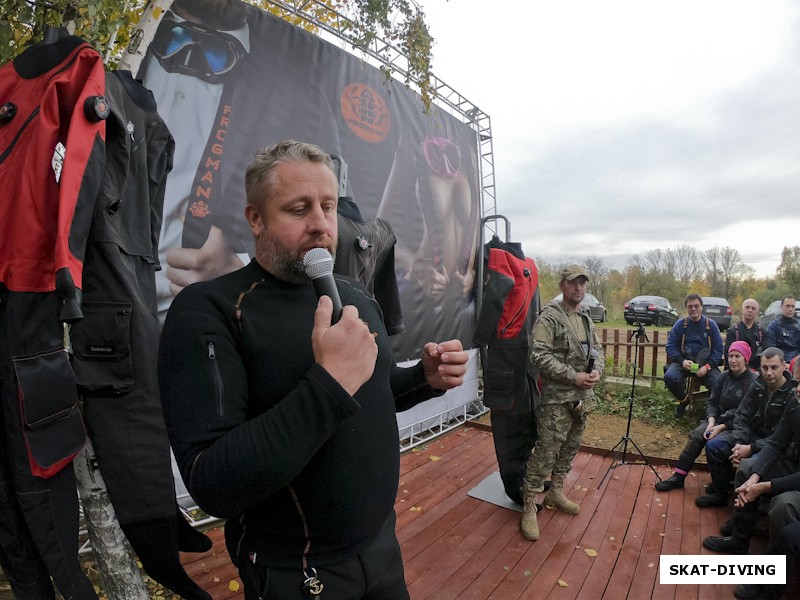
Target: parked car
column 653, row 310
column 597, row 311
column 774, row 311
column 718, row 310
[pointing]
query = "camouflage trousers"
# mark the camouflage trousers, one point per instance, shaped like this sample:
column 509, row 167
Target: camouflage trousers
column 560, row 432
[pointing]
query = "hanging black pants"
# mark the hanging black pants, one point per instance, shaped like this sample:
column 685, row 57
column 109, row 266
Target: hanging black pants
column 49, row 506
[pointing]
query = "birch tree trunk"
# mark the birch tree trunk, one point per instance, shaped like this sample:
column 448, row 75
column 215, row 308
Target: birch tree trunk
column 120, row 576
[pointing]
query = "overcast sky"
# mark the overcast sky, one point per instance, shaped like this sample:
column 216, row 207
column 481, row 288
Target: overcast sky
column 621, row 126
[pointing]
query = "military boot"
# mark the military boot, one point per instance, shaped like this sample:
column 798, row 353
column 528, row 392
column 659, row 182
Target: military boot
column 556, row 499
column 529, row 526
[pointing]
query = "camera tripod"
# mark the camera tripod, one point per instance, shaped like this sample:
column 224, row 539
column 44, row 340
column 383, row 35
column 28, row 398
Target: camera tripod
column 621, row 447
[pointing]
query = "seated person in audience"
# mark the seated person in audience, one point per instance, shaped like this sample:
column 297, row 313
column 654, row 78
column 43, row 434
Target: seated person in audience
column 687, row 339
column 784, row 331
column 755, row 420
column 747, row 330
column 773, row 473
column 729, row 389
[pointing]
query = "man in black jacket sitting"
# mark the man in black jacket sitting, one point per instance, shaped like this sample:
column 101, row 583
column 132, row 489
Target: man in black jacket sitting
column 776, row 458
column 755, row 420
column 772, row 472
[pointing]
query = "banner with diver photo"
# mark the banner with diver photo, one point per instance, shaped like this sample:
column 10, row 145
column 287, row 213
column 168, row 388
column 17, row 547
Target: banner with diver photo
column 229, row 79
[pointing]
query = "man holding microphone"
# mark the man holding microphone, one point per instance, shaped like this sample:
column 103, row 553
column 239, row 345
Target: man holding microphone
column 282, row 419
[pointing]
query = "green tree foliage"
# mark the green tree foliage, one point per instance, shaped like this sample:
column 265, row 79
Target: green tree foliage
column 107, row 25
column 788, row 270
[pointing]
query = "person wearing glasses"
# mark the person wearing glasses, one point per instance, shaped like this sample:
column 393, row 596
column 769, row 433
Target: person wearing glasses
column 221, row 90
column 694, row 348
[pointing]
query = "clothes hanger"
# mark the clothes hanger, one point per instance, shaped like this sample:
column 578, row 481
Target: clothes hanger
column 53, row 34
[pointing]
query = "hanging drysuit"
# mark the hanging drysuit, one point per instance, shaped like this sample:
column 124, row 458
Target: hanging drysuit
column 115, row 344
column 507, row 314
column 52, row 158
column 365, row 252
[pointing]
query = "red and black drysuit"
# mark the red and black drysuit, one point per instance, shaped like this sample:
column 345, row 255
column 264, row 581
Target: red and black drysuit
column 508, row 311
column 115, row 344
column 47, row 207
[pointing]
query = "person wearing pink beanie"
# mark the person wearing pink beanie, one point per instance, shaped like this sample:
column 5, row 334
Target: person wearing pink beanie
column 723, row 401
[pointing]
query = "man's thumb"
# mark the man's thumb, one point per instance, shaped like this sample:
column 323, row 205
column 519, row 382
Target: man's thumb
column 322, row 316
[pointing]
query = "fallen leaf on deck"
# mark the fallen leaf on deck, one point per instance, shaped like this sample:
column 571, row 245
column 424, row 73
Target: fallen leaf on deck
column 591, row 552
column 526, row 573
column 562, row 583
column 233, row 585
column 435, row 458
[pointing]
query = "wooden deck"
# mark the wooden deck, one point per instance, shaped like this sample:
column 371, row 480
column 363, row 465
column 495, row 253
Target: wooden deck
column 455, row 546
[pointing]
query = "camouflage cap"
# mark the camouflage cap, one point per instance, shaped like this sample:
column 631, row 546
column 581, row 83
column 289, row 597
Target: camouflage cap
column 571, row 272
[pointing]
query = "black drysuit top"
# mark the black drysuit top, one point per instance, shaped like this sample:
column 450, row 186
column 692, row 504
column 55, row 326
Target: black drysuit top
column 263, row 435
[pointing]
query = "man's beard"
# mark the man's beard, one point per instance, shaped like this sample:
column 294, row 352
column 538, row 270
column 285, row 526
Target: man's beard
column 284, row 263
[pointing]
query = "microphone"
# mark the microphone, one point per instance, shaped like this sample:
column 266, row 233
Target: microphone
column 592, row 356
column 318, row 265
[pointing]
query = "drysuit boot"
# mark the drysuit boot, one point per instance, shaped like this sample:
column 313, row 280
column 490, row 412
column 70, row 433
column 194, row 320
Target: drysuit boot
column 189, row 539
column 156, row 544
column 21, row 563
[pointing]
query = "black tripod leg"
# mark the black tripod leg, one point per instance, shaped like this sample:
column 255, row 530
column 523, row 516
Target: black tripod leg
column 647, row 462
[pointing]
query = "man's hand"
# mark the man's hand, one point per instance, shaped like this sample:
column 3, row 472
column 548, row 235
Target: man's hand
column 686, row 364
column 346, row 350
column 587, row 381
column 740, row 452
column 445, row 364
column 714, row 431
column 750, row 490
column 190, row 265
column 701, row 372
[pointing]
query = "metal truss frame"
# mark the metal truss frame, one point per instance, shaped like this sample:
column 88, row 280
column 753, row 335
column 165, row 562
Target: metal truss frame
column 388, row 57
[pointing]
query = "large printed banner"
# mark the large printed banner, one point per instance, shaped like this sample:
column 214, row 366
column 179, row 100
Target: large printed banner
column 230, row 79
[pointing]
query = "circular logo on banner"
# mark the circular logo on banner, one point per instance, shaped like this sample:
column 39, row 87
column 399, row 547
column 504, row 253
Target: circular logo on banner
column 365, row 113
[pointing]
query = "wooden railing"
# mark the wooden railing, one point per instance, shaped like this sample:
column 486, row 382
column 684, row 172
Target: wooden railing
column 619, row 345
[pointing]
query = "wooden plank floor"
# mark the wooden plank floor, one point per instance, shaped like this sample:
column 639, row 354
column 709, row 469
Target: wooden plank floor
column 455, row 546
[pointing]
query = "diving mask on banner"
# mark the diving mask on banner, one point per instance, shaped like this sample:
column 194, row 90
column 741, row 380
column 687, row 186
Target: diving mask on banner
column 443, row 156
column 194, row 49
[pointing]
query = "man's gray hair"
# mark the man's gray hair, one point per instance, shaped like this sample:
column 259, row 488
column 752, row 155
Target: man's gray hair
column 260, row 181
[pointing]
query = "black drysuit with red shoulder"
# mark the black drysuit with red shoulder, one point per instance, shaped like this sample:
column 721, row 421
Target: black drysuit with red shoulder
column 51, row 97
column 508, row 311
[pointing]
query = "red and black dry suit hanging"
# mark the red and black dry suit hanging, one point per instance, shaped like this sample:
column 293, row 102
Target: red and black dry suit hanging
column 509, row 309
column 52, row 159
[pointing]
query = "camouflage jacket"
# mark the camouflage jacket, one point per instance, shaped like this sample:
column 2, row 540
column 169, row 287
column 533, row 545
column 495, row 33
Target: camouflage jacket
column 557, row 353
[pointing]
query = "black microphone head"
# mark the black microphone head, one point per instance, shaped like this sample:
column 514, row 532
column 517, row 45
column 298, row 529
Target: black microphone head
column 317, row 263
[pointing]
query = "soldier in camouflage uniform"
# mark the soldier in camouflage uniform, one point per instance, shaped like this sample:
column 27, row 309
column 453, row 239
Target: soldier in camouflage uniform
column 563, row 350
